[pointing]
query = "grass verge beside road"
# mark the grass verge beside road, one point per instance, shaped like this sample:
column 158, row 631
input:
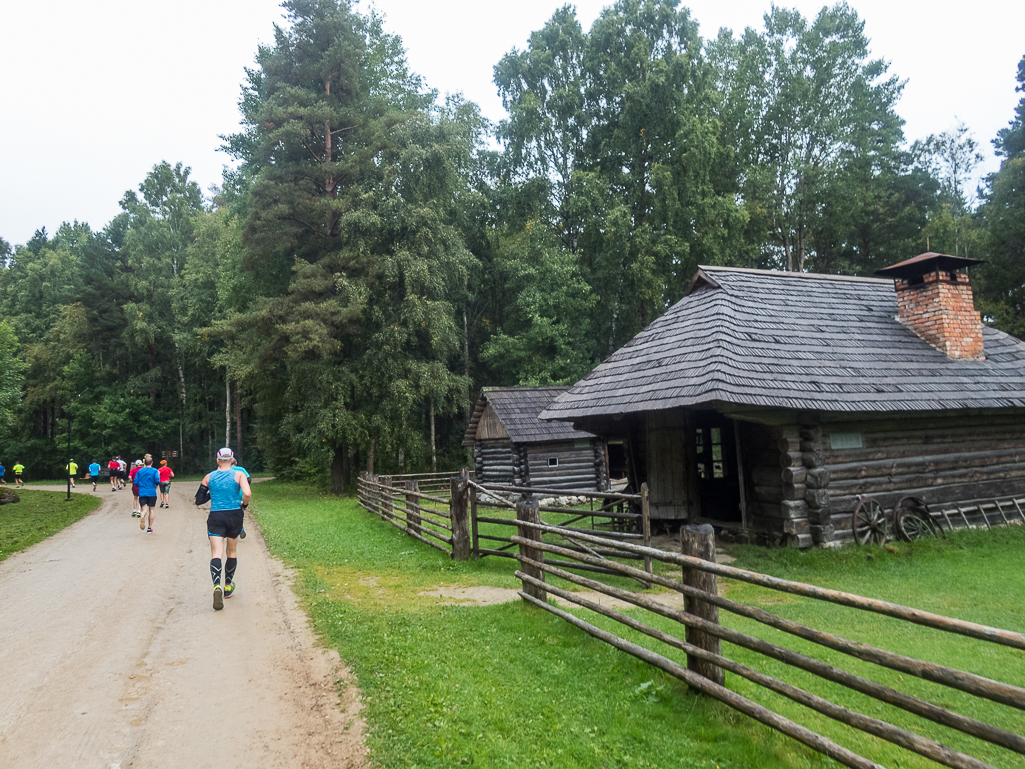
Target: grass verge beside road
column 39, row 515
column 511, row 686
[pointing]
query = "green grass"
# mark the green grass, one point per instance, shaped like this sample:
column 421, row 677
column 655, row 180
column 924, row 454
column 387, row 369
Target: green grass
column 512, row 686
column 39, row 515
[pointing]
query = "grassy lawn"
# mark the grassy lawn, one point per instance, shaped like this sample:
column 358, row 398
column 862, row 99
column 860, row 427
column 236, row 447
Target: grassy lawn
column 512, row 686
column 38, row 515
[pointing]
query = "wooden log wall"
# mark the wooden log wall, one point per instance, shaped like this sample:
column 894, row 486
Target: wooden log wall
column 944, row 459
column 776, row 480
column 578, row 466
column 494, row 461
column 804, row 490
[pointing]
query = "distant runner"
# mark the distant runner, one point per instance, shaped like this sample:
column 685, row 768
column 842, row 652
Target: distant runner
column 136, row 510
column 146, row 481
column 122, row 475
column 166, row 474
column 72, row 469
column 18, row 469
column 114, row 469
column 3, row 471
column 94, row 472
column 225, row 521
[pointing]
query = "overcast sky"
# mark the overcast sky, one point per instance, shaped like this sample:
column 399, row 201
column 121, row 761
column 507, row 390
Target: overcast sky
column 94, row 94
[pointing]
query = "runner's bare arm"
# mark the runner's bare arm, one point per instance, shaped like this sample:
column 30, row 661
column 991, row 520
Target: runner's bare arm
column 243, row 482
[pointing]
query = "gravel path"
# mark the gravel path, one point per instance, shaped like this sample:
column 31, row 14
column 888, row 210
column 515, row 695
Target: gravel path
column 111, row 654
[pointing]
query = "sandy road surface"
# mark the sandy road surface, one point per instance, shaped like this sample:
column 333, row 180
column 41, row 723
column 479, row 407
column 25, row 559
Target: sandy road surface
column 111, row 654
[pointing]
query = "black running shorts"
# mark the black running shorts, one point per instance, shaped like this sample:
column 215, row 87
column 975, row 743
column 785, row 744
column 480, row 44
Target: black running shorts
column 224, row 523
column 148, row 501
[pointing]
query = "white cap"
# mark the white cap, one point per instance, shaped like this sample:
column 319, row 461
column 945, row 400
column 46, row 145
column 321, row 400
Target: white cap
column 138, row 463
column 224, row 453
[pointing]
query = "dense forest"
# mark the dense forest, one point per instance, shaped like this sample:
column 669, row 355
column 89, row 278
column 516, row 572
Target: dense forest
column 376, row 254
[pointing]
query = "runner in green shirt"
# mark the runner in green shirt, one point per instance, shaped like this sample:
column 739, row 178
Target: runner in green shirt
column 72, row 469
column 19, row 468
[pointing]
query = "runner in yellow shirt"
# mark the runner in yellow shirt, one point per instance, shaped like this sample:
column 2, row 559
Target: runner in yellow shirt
column 72, row 469
column 18, row 468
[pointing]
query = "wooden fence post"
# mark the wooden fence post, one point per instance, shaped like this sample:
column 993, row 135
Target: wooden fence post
column 475, row 544
column 699, row 542
column 413, row 506
column 460, row 520
column 361, row 489
column 528, row 510
column 376, row 481
column 646, row 524
column 387, row 498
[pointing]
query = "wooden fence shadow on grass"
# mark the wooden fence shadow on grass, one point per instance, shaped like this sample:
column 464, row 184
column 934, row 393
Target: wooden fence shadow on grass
column 703, row 633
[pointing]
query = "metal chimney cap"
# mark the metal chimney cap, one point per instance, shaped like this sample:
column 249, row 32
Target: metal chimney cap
column 925, row 263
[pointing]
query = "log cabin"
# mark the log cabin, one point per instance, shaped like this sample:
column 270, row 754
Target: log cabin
column 770, row 403
column 511, row 446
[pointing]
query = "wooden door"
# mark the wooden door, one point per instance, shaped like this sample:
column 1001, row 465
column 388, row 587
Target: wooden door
column 715, row 462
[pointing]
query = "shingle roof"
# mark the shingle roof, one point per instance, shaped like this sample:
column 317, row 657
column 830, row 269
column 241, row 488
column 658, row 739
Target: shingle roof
column 797, row 341
column 518, row 409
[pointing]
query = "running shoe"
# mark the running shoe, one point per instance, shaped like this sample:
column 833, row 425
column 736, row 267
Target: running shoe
column 218, row 598
column 149, row 531
column 142, row 524
column 229, row 590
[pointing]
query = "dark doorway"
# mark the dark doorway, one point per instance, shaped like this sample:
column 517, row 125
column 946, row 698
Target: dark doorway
column 715, row 458
column 617, row 460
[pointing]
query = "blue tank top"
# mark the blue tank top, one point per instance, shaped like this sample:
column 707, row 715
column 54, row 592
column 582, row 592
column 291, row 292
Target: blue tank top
column 225, row 493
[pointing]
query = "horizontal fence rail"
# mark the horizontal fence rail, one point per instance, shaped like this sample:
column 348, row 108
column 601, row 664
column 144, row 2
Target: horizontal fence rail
column 704, row 634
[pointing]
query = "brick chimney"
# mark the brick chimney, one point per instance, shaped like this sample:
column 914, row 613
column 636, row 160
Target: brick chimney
column 935, row 301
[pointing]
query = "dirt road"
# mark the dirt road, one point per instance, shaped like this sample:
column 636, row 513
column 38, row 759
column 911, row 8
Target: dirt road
column 112, row 656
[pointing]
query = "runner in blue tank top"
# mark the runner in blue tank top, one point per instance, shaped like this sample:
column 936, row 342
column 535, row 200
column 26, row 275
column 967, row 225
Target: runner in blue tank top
column 229, row 497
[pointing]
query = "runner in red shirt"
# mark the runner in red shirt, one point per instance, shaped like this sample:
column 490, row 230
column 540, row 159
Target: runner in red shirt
column 166, row 474
column 114, row 468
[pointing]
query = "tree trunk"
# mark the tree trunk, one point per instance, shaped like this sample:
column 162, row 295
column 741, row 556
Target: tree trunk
column 466, row 365
column 370, row 456
column 402, row 460
column 339, row 469
column 434, row 452
column 238, row 423
column 227, row 408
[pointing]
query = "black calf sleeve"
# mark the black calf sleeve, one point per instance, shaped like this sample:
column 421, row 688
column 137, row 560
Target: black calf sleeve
column 229, row 570
column 215, row 570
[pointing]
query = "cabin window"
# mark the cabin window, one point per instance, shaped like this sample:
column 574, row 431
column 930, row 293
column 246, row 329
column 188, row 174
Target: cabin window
column 708, row 441
column 553, row 461
column 845, row 441
column 581, row 443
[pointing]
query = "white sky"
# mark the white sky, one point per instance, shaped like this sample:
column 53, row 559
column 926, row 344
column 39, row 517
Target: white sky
column 94, row 94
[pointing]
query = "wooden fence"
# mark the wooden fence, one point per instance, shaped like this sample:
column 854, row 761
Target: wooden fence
column 450, row 522
column 703, row 635
column 617, row 517
column 445, row 512
column 437, row 519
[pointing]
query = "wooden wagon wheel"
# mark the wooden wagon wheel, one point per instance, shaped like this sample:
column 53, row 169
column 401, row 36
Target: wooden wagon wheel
column 913, row 520
column 869, row 522
column 913, row 525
